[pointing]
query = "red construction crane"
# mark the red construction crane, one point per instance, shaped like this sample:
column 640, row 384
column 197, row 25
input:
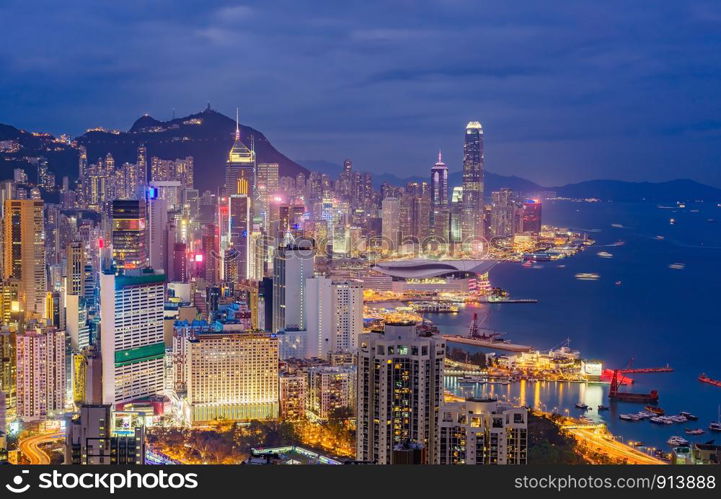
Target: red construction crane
column 651, row 397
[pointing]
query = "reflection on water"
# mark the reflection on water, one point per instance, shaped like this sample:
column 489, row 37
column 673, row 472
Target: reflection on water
column 551, row 396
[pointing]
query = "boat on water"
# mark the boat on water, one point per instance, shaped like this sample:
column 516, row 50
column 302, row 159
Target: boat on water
column 602, row 407
column 656, row 410
column 660, row 238
column 688, row 416
column 587, row 276
column 605, row 254
column 581, row 405
column 671, row 221
column 706, row 379
column 697, row 431
column 617, row 226
column 618, row 283
column 677, row 441
column 677, row 266
column 628, row 417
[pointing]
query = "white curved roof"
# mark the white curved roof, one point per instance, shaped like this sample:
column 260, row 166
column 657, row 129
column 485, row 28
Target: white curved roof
column 420, row 268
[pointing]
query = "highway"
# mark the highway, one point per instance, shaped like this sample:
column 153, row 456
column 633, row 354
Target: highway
column 30, row 447
column 596, row 439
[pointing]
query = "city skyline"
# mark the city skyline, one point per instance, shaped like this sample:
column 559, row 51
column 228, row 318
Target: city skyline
column 536, row 74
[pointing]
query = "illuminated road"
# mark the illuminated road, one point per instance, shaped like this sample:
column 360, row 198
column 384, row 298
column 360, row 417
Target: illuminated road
column 30, row 447
column 599, row 440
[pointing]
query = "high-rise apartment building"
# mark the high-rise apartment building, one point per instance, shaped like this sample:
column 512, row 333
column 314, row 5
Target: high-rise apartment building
column 399, row 392
column 91, row 439
column 483, row 431
column 334, row 316
column 40, row 372
column 131, row 341
column 24, row 253
column 330, row 388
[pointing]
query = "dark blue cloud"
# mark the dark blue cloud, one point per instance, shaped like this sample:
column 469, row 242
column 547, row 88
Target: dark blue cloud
column 566, row 90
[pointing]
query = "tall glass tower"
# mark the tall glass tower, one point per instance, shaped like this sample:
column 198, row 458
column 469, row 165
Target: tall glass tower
column 472, row 219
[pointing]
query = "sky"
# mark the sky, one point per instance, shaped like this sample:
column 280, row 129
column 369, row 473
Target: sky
column 567, row 90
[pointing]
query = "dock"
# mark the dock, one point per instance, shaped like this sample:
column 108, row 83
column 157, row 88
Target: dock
column 492, row 345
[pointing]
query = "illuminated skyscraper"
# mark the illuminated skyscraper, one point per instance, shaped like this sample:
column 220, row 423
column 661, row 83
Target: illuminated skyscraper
column 399, row 391
column 439, row 184
column 128, row 234
column 24, row 252
column 440, row 209
column 503, row 213
column 531, row 216
column 131, row 340
column 239, row 231
column 472, row 220
column 240, row 168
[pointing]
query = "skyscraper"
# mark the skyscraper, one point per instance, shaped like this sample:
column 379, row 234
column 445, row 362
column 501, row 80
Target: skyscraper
column 75, row 268
column 239, row 229
column 503, row 213
column 334, row 316
column 24, row 252
column 131, row 341
column 40, row 372
column 399, row 392
column 129, row 234
column 90, row 439
column 391, row 213
column 472, row 220
column 531, row 216
column 439, row 184
column 240, row 168
column 440, row 208
column 292, row 266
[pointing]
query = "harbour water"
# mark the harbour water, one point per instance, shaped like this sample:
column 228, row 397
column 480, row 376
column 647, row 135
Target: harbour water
column 640, row 309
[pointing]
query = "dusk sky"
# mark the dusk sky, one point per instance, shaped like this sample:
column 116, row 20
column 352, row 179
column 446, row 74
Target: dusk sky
column 565, row 90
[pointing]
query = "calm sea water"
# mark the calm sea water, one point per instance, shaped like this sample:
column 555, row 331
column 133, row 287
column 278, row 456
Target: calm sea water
column 656, row 316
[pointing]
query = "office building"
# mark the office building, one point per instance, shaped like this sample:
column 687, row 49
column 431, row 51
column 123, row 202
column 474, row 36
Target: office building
column 240, row 168
column 129, row 238
column 131, row 341
column 399, row 392
column 24, row 253
column 292, row 266
column 531, row 216
column 471, row 220
column 391, row 215
column 75, row 268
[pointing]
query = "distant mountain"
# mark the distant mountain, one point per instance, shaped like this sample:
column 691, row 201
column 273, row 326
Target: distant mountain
column 207, row 136
column 617, row 190
column 611, row 190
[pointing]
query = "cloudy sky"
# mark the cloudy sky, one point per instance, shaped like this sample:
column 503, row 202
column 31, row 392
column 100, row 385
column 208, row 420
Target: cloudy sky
column 566, row 90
